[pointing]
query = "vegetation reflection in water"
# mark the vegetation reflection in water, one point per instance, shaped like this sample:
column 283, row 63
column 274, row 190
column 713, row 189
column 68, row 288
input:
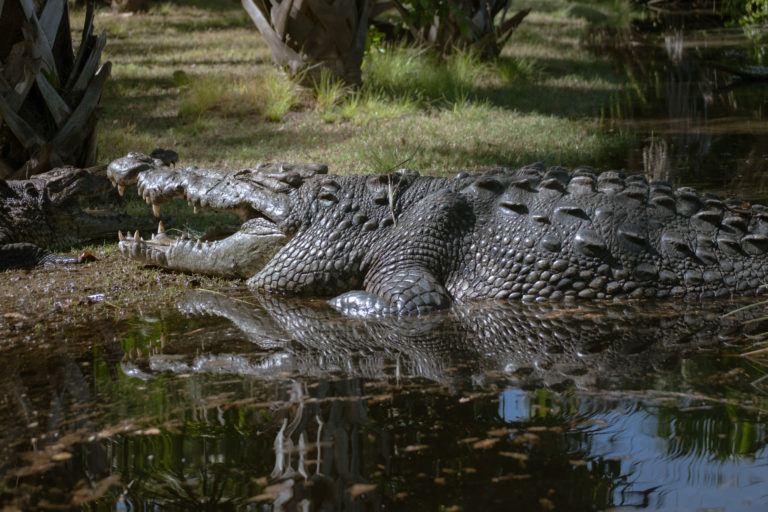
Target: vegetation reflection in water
column 283, row 405
column 694, row 104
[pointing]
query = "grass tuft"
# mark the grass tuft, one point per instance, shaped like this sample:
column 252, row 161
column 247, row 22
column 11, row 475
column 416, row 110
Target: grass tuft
column 271, row 95
column 328, row 92
column 281, row 95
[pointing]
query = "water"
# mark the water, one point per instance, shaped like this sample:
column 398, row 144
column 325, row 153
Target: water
column 698, row 121
column 235, row 402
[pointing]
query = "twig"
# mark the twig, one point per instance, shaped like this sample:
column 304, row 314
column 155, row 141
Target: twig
column 751, row 353
column 227, row 296
column 761, row 303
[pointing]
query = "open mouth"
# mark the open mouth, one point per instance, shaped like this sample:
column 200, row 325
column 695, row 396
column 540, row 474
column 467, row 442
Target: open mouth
column 79, row 206
column 223, row 252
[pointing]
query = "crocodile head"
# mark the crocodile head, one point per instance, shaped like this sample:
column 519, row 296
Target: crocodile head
column 50, row 209
column 262, row 197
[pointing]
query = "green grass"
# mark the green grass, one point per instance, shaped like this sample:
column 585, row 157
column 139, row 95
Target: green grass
column 328, row 93
column 195, row 76
column 270, row 95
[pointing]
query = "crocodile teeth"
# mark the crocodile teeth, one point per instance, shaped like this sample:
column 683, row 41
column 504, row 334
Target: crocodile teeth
column 156, row 209
column 137, row 236
column 197, row 209
column 160, row 228
column 121, row 189
column 148, row 200
column 120, row 235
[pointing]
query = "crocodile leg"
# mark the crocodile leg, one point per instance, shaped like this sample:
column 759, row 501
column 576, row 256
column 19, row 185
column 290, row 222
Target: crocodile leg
column 407, row 268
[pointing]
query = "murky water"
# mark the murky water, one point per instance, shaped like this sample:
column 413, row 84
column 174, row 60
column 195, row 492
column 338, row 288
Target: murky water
column 698, row 102
column 235, row 402
column 239, row 403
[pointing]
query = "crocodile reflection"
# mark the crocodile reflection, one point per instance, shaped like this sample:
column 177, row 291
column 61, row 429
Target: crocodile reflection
column 583, row 345
column 286, row 405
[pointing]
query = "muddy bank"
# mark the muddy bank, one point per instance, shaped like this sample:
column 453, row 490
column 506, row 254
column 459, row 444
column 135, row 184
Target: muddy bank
column 40, row 303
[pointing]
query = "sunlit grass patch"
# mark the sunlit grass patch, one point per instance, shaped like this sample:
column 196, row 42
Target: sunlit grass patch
column 281, row 95
column 270, row 95
column 328, row 93
column 204, row 94
column 368, row 105
column 406, row 71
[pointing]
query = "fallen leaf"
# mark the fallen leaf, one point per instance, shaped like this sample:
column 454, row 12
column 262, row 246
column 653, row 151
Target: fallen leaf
column 358, row 489
column 415, row 447
column 514, row 455
column 485, row 443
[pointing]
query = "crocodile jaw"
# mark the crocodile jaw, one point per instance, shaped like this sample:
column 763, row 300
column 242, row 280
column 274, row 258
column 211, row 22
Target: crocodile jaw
column 239, row 255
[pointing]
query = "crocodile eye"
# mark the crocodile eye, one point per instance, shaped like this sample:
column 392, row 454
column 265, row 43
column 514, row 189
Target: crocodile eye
column 30, row 190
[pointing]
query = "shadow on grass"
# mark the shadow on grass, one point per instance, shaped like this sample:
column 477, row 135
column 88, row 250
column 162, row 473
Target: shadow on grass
column 479, row 158
column 210, row 5
column 550, row 86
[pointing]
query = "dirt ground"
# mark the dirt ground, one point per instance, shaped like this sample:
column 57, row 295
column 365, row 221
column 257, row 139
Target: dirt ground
column 37, row 304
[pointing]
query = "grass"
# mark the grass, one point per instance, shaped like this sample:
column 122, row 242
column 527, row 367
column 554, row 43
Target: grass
column 195, row 76
column 270, row 96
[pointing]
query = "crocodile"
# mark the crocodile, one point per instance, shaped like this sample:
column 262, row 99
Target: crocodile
column 400, row 243
column 43, row 214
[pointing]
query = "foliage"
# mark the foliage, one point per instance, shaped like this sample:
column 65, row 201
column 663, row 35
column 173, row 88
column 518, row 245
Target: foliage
column 749, row 12
column 450, row 25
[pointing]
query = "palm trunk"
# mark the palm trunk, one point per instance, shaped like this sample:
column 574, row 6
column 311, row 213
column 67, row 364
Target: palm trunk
column 49, row 97
column 306, row 36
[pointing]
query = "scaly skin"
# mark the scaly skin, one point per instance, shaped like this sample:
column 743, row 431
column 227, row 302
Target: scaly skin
column 585, row 344
column 43, row 214
column 406, row 244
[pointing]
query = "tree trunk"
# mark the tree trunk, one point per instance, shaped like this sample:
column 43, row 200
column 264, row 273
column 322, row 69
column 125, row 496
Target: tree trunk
column 306, row 36
column 49, row 97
